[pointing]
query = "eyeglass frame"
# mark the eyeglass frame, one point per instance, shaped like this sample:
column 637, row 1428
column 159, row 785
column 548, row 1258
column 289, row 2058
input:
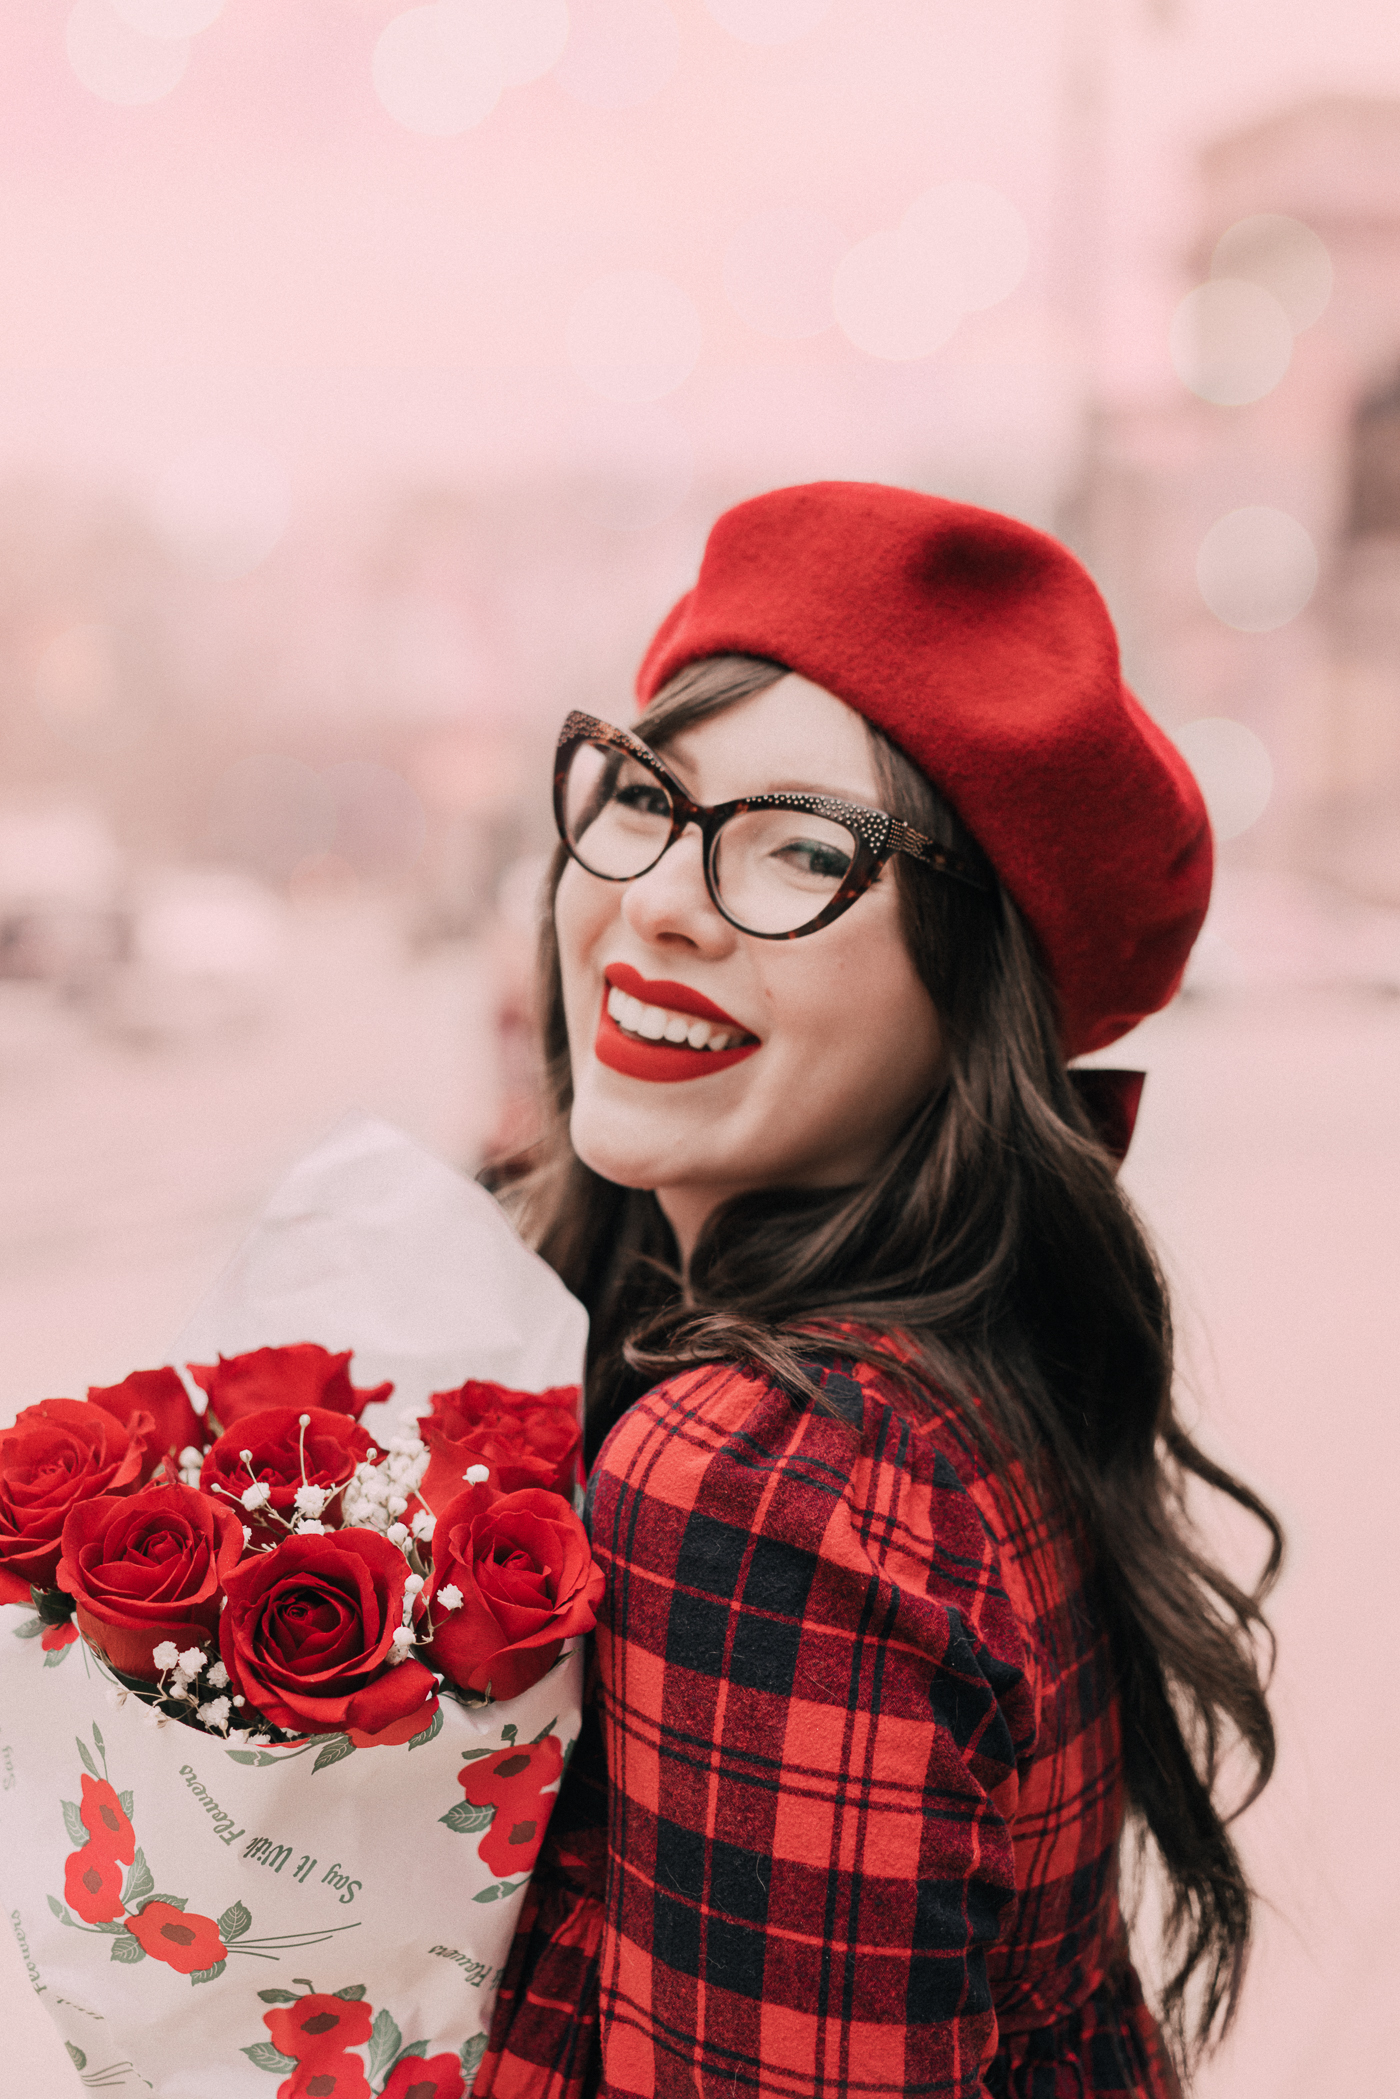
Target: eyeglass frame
column 877, row 834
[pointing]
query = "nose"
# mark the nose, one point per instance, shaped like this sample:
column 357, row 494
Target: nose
column 669, row 906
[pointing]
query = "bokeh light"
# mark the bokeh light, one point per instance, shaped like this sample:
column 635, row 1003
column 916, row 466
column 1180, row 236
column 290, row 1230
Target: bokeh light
column 1230, row 342
column 380, row 824
column 620, row 52
column 81, row 691
column 635, row 466
column 768, row 21
column 208, row 921
column 778, row 272
column 1256, row 568
column 961, row 246
column 1283, row 255
column 223, row 508
column 119, row 63
column 970, row 229
column 169, row 18
column 1233, row 770
column 633, row 335
column 440, row 69
column 269, row 813
column 530, row 35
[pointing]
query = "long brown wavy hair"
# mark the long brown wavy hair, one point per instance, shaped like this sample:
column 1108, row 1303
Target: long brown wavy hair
column 996, row 1237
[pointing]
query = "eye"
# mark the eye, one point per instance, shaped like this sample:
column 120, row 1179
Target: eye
column 814, row 857
column 643, row 798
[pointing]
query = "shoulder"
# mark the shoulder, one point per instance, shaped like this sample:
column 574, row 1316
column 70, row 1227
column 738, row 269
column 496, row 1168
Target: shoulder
column 864, row 1507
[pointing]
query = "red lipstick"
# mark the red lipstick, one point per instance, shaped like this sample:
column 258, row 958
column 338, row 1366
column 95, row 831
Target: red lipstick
column 666, row 1062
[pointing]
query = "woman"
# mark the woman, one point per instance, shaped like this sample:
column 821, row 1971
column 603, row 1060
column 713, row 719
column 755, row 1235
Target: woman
column 905, row 1623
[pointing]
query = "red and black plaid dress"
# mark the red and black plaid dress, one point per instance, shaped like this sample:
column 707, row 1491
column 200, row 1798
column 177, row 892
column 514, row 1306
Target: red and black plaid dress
column 847, row 1820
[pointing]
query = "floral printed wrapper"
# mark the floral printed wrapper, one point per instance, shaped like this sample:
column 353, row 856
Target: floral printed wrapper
column 209, row 1920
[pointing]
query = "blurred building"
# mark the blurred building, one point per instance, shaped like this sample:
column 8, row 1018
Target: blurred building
column 1198, row 497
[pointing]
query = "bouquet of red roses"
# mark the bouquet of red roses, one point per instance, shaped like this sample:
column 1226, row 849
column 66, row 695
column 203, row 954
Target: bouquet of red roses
column 273, row 1579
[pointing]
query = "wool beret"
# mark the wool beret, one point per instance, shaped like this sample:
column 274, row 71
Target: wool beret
column 984, row 651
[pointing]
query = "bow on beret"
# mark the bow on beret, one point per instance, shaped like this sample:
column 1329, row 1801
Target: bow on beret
column 984, row 651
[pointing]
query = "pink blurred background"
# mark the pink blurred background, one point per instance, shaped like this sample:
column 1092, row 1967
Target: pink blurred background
column 369, row 376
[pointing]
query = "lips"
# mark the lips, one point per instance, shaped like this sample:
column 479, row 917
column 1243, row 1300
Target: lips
column 668, row 1063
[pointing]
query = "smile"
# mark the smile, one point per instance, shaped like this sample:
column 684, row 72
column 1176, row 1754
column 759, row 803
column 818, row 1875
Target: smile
column 665, row 1031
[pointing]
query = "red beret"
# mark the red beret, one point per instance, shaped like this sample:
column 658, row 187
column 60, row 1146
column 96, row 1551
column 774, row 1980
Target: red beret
column 983, row 649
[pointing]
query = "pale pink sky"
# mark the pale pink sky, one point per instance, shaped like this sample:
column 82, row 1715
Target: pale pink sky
column 266, row 257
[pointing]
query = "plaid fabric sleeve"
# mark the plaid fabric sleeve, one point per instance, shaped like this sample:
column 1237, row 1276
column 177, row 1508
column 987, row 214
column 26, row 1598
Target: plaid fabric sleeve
column 817, row 1702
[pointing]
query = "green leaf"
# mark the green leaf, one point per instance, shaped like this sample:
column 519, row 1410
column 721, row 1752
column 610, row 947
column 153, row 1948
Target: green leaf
column 467, row 1818
column 418, row 2048
column 352, row 1993
column 234, row 1922
column 128, row 1801
column 140, row 1883
column 79, row 2059
column 250, row 1756
column 545, row 1732
column 30, row 1629
column 469, row 1755
column 508, row 1734
column 175, row 1902
column 86, row 1754
column 276, row 1997
column 97, row 1738
column 470, row 2054
column 112, row 1928
column 336, row 1747
column 265, row 2057
column 434, row 1727
column 73, row 1823
column 128, row 1949
column 209, row 1974
column 385, row 2041
column 498, row 1889
column 64, row 1916
column 56, row 1655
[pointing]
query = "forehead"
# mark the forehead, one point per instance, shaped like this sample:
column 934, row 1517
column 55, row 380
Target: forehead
column 792, row 736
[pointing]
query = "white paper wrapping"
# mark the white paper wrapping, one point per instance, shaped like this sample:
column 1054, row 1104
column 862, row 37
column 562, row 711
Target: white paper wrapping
column 369, row 1872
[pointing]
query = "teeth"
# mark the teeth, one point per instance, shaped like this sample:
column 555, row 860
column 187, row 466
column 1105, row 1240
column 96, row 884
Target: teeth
column 656, row 1024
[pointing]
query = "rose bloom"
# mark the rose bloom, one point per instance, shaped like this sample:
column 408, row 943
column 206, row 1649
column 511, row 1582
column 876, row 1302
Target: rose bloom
column 181, row 1938
column 92, row 1884
column 308, row 1633
column 59, row 1454
column 540, row 1426
column 160, row 1394
column 331, row 1445
column 300, row 1377
column 105, row 1820
column 318, row 2025
column 510, row 1468
column 436, row 2077
column 148, row 1568
column 528, row 1583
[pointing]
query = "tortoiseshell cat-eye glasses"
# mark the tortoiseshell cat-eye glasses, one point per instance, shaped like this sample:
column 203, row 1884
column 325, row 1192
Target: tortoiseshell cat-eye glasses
column 777, row 866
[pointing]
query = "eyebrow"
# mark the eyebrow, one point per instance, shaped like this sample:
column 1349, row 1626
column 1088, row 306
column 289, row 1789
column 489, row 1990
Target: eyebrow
column 814, row 787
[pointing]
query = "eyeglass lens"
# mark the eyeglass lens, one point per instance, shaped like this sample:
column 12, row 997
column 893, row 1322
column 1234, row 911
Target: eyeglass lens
column 774, row 870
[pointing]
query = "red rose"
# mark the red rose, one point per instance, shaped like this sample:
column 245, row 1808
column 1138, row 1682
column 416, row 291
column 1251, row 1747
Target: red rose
column 178, row 1937
column 510, row 1469
column 299, row 1377
column 160, row 1394
column 543, row 1426
column 92, row 1884
column 439, row 2077
column 527, row 1580
column 513, row 1782
column 308, row 1634
column 319, row 2025
column 105, row 1820
column 58, row 1455
column 148, row 1568
column 284, row 1456
column 327, row 2077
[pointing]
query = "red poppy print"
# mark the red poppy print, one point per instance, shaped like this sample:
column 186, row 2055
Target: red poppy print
column 105, row 1820
column 55, row 1637
column 92, row 1884
column 513, row 1782
column 184, row 1941
column 319, row 2025
column 327, row 2077
column 440, row 2077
